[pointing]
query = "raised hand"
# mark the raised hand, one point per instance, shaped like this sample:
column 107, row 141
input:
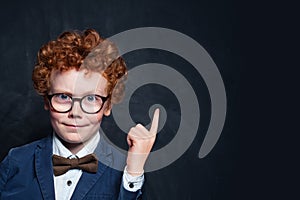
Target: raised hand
column 140, row 141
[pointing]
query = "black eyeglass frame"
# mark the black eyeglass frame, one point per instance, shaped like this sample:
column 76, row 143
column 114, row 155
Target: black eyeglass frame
column 50, row 96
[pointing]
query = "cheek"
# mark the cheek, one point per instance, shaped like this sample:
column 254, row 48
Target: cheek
column 99, row 117
column 54, row 116
column 95, row 119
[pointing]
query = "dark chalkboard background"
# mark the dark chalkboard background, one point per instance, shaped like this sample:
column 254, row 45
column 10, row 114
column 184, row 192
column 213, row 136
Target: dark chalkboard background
column 229, row 31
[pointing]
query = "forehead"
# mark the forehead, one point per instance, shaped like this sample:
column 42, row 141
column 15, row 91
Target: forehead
column 78, row 82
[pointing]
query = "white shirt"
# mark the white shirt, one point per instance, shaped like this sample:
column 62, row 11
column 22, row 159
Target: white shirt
column 64, row 185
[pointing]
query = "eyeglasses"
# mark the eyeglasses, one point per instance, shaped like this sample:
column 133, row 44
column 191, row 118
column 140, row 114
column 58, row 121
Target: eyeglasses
column 63, row 103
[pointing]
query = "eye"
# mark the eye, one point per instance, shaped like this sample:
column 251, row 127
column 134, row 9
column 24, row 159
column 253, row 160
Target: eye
column 91, row 98
column 62, row 98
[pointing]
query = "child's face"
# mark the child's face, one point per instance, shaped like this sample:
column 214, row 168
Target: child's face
column 76, row 126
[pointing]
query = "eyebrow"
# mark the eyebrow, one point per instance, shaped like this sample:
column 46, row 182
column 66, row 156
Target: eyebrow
column 83, row 94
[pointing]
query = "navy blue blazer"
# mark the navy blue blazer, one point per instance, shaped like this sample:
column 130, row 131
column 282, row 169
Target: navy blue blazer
column 26, row 173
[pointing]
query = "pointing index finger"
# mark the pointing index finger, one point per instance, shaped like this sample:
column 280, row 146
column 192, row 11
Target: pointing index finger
column 155, row 120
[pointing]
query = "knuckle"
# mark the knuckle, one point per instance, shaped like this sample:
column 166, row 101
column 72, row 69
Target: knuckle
column 139, row 125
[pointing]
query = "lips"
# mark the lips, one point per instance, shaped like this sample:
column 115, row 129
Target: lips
column 73, row 125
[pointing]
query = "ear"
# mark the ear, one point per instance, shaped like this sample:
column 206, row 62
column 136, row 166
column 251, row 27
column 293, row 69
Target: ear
column 107, row 110
column 46, row 104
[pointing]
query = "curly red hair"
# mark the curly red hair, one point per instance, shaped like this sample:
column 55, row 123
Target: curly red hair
column 81, row 50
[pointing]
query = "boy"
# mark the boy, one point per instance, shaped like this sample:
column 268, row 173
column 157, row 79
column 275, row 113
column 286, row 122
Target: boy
column 79, row 76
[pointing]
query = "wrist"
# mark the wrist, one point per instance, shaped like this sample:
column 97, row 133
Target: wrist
column 134, row 171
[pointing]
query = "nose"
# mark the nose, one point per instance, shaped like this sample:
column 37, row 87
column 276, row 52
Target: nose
column 76, row 111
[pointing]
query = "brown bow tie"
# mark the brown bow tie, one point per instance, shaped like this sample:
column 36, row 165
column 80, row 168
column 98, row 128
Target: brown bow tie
column 61, row 165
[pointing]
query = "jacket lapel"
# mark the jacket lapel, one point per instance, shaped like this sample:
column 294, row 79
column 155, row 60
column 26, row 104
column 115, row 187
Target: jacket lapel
column 88, row 180
column 43, row 167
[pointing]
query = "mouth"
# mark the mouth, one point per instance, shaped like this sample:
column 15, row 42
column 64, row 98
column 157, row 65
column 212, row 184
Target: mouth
column 73, row 125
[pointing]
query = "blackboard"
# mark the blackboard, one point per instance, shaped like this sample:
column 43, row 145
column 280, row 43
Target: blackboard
column 216, row 25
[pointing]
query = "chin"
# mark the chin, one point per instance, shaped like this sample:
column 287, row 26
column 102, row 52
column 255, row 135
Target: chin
column 71, row 138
